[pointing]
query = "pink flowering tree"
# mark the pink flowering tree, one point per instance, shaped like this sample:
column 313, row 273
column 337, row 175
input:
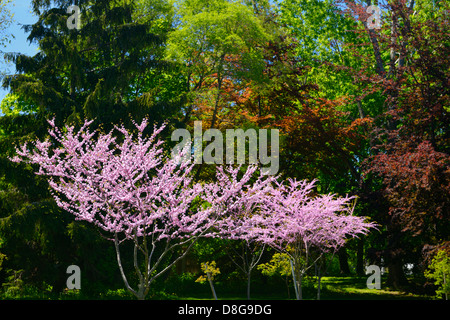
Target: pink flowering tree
column 126, row 185
column 129, row 189
column 295, row 222
column 237, row 200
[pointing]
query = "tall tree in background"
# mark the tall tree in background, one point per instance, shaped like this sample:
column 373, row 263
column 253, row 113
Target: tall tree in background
column 212, row 39
column 111, row 67
column 218, row 43
column 394, row 79
column 101, row 70
column 408, row 67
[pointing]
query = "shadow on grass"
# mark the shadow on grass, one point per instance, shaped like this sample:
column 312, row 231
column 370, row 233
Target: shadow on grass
column 332, row 288
column 355, row 288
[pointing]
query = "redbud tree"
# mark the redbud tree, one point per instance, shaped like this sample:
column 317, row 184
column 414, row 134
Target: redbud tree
column 237, row 200
column 296, row 222
column 129, row 189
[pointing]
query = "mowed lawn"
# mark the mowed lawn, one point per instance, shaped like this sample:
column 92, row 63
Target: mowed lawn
column 355, row 288
column 332, row 288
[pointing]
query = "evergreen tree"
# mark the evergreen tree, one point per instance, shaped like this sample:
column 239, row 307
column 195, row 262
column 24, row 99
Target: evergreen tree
column 108, row 69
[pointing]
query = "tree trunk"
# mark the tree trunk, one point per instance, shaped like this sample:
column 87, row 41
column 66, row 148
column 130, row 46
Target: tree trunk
column 299, row 284
column 343, row 261
column 210, row 282
column 319, row 277
column 360, row 258
column 219, row 88
column 248, row 284
column 396, row 276
column 296, row 284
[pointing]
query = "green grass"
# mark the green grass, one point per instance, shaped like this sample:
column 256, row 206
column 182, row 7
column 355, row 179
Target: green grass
column 332, row 288
column 355, row 288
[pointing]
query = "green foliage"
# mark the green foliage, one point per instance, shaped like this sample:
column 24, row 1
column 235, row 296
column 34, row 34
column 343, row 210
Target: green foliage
column 439, row 271
column 210, row 270
column 322, row 34
column 209, row 29
column 428, row 9
column 279, row 264
column 14, row 105
column 215, row 41
column 14, row 286
column 6, row 19
column 206, row 249
column 105, row 70
column 2, row 257
column 320, row 29
column 327, row 43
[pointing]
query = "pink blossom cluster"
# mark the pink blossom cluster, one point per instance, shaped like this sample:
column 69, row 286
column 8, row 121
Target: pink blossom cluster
column 237, row 200
column 293, row 216
column 127, row 187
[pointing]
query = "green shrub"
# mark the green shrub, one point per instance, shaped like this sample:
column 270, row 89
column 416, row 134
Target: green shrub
column 439, row 271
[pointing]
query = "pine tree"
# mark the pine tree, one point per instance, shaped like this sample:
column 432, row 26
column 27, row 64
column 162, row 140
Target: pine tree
column 106, row 69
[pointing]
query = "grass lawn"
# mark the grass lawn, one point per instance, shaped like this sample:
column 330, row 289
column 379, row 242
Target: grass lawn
column 332, row 288
column 354, row 288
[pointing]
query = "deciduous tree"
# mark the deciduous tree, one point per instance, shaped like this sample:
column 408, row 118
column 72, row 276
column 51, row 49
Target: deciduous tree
column 408, row 69
column 237, row 213
column 296, row 222
column 127, row 189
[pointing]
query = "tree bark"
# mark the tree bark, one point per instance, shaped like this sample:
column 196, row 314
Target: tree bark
column 360, row 258
column 119, row 262
column 248, row 284
column 343, row 261
column 396, row 276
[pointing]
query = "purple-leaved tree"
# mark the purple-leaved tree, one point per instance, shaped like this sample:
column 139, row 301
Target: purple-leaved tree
column 295, row 222
column 129, row 189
